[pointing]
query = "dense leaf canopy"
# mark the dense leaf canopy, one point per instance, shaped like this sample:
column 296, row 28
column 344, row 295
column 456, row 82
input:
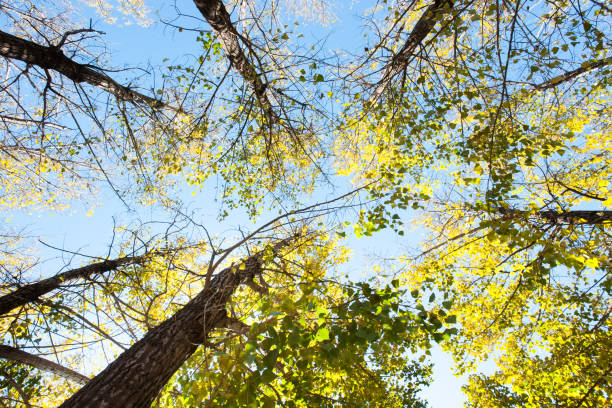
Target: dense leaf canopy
column 475, row 132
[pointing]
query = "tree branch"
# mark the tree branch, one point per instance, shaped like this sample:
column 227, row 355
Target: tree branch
column 563, row 217
column 234, row 325
column 584, row 68
column 216, row 15
column 578, row 217
column 17, row 386
column 434, row 13
column 20, row 356
column 52, row 58
column 21, row 121
column 32, row 292
column 257, row 288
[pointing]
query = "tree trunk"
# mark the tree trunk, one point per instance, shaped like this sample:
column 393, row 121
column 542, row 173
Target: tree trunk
column 135, row 378
column 592, row 217
column 216, row 15
column 421, row 29
column 32, row 292
column 52, row 58
column 13, row 354
column 578, row 217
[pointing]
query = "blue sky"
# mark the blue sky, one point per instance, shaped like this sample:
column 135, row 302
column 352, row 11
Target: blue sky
column 81, row 231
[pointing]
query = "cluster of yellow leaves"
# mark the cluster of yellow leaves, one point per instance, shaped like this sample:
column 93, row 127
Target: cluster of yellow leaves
column 28, row 181
column 545, row 327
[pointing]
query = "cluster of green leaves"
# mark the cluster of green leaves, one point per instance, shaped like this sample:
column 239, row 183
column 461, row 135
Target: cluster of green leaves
column 353, row 352
column 29, row 382
column 500, row 117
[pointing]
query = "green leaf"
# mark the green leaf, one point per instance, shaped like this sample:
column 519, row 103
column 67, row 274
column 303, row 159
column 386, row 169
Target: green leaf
column 267, row 376
column 322, row 334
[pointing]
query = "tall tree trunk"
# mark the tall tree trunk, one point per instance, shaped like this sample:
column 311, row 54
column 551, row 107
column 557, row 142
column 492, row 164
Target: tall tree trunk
column 135, row 378
column 216, row 15
column 434, row 13
column 32, row 292
column 20, row 356
column 52, row 58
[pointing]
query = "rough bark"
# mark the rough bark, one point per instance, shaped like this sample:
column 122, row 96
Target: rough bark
column 216, row 15
column 422, row 28
column 135, row 378
column 32, row 292
column 578, row 217
column 52, row 58
column 20, row 356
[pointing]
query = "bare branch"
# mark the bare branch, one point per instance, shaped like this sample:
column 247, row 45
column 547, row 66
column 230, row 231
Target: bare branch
column 422, row 28
column 22, row 121
column 216, row 15
column 584, row 68
column 20, row 356
column 32, row 292
column 52, row 58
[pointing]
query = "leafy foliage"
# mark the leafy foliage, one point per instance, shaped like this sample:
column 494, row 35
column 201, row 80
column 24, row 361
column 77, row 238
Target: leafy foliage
column 487, row 124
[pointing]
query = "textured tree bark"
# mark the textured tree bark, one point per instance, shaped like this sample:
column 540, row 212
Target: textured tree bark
column 14, row 354
column 52, row 58
column 216, row 15
column 592, row 217
column 578, row 217
column 135, row 378
column 421, row 29
column 32, row 292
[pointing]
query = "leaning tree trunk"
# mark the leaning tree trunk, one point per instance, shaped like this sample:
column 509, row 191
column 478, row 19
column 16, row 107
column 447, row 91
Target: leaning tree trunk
column 434, row 13
column 216, row 15
column 20, row 356
column 52, row 58
column 135, row 378
column 32, row 292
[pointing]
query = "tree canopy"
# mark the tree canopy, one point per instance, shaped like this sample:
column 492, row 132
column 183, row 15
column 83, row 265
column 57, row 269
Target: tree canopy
column 474, row 134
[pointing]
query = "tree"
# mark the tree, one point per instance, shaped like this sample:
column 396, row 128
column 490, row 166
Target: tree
column 514, row 142
column 137, row 376
column 485, row 122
